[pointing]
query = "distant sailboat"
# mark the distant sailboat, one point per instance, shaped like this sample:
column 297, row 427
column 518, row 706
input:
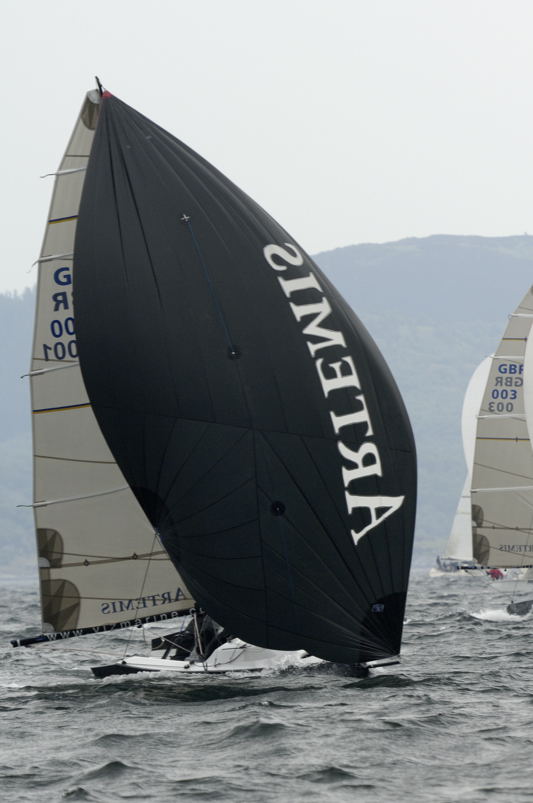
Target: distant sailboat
column 247, row 408
column 502, row 477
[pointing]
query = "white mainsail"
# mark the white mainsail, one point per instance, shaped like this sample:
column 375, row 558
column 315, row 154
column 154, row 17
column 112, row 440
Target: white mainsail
column 502, row 477
column 100, row 563
column 459, row 545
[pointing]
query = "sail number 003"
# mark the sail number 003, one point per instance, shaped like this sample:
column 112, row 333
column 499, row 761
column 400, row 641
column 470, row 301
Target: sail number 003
column 502, row 406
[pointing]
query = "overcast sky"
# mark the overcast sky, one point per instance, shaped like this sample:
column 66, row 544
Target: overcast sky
column 349, row 120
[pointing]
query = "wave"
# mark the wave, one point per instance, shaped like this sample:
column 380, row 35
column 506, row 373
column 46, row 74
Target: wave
column 497, row 615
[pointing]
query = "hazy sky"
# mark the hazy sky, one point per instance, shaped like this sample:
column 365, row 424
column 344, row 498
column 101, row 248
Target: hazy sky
column 349, row 120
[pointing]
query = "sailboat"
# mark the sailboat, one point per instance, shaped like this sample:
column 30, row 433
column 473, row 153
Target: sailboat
column 502, row 475
column 226, row 395
column 458, row 555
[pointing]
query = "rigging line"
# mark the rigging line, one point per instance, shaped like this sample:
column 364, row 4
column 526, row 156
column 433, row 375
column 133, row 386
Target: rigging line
column 197, row 636
column 97, row 562
column 154, row 541
column 186, row 220
column 488, row 524
column 132, row 556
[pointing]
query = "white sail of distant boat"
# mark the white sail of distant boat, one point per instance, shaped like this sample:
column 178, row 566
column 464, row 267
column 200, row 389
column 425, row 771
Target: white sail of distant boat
column 100, row 565
column 459, row 546
column 502, row 476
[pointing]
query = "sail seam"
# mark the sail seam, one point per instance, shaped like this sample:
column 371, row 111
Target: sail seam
column 63, row 219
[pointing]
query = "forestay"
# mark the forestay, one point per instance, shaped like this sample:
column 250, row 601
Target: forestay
column 100, row 563
column 249, row 409
column 502, row 480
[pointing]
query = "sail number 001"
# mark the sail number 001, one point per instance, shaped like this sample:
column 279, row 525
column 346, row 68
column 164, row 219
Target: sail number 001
column 60, row 350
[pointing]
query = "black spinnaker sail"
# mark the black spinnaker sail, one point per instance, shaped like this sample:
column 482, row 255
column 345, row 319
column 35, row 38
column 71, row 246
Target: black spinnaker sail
column 248, row 408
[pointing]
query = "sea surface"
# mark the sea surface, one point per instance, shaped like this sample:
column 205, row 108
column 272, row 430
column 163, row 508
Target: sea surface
column 453, row 722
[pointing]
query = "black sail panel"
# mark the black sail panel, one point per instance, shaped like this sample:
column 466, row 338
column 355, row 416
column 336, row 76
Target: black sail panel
column 248, row 408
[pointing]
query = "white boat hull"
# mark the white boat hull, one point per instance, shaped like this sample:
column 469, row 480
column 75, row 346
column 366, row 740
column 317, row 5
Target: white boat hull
column 233, row 656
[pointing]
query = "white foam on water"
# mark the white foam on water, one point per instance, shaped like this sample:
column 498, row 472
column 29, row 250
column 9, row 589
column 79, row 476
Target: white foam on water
column 497, row 615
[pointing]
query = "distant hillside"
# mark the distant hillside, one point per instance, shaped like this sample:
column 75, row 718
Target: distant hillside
column 436, row 279
column 435, row 306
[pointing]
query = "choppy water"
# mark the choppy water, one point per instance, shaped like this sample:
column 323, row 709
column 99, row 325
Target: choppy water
column 452, row 723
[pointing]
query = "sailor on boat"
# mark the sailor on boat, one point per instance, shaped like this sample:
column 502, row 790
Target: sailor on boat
column 196, row 642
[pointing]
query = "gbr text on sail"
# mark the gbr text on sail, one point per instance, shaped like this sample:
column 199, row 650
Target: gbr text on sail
column 333, row 376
